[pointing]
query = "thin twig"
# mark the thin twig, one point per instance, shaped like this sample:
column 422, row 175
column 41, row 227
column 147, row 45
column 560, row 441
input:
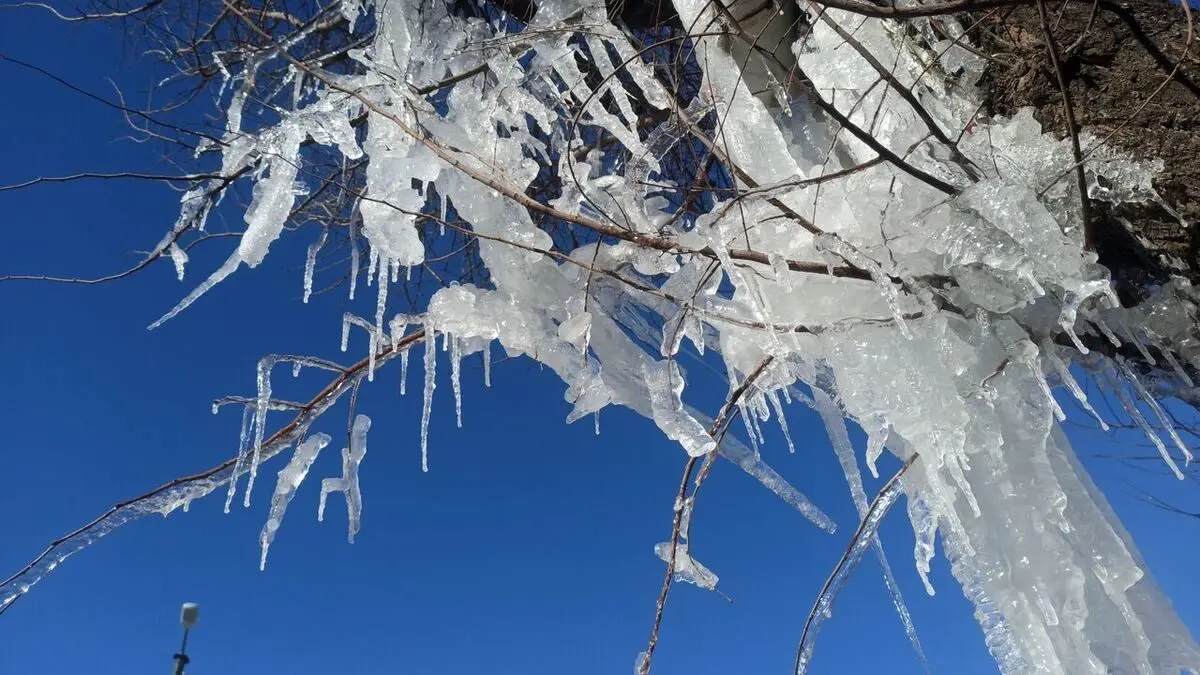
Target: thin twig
column 1085, row 207
column 717, row 432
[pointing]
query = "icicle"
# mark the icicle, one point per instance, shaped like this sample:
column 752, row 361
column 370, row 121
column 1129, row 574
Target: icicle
column 296, row 368
column 372, row 263
column 243, row 447
column 290, row 478
column 1026, row 352
column 1163, row 418
column 925, row 528
column 403, row 371
column 310, row 263
column 1070, row 331
column 665, row 384
column 831, row 416
column 1038, row 375
column 834, row 244
column 1176, row 366
column 773, row 397
column 430, row 385
column 596, row 417
column 1064, row 373
column 673, row 332
column 348, row 485
column 217, row 277
column 1140, row 347
column 455, row 381
column 756, row 424
column 1112, row 338
column 260, row 419
column 269, row 208
column 1070, row 310
column 396, row 328
column 380, row 307
column 180, row 258
column 1131, row 408
column 346, row 330
column 487, row 365
column 748, row 423
column 1170, row 359
column 752, row 463
column 835, row 425
column 353, row 260
column 877, row 434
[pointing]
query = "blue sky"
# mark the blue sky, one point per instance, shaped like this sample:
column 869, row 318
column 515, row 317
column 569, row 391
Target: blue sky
column 526, row 549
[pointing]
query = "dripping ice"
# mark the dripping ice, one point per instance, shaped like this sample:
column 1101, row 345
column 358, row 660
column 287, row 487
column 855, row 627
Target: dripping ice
column 290, row 478
column 347, row 484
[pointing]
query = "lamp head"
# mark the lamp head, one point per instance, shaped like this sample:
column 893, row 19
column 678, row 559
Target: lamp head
column 188, row 614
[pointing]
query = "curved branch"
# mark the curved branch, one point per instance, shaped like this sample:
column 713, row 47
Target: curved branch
column 867, row 527
column 719, row 427
column 84, row 17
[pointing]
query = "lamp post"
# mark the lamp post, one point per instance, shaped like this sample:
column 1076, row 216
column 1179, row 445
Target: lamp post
column 188, row 614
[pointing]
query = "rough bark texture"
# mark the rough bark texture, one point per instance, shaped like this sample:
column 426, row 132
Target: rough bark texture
column 1115, row 57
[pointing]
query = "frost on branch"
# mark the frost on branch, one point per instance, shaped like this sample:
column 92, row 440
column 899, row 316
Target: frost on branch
column 919, row 268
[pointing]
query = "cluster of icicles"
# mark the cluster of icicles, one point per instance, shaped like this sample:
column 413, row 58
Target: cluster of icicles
column 1057, row 584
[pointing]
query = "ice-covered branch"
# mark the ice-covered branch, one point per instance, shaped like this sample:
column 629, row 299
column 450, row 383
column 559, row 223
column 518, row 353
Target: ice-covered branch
column 807, row 193
column 180, row 492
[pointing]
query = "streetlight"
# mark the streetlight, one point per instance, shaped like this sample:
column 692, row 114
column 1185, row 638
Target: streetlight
column 188, row 614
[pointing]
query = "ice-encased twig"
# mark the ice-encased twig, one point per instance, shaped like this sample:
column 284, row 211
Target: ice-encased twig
column 863, row 536
column 178, row 493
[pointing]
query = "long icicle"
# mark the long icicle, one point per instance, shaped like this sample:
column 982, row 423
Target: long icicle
column 265, row 364
column 243, row 447
column 430, row 385
column 835, row 425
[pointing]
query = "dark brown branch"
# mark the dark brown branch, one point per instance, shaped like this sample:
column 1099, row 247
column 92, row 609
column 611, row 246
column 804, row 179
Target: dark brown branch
column 1085, row 207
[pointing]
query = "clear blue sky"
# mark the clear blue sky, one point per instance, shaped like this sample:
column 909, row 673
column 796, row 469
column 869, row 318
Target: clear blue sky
column 528, row 547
